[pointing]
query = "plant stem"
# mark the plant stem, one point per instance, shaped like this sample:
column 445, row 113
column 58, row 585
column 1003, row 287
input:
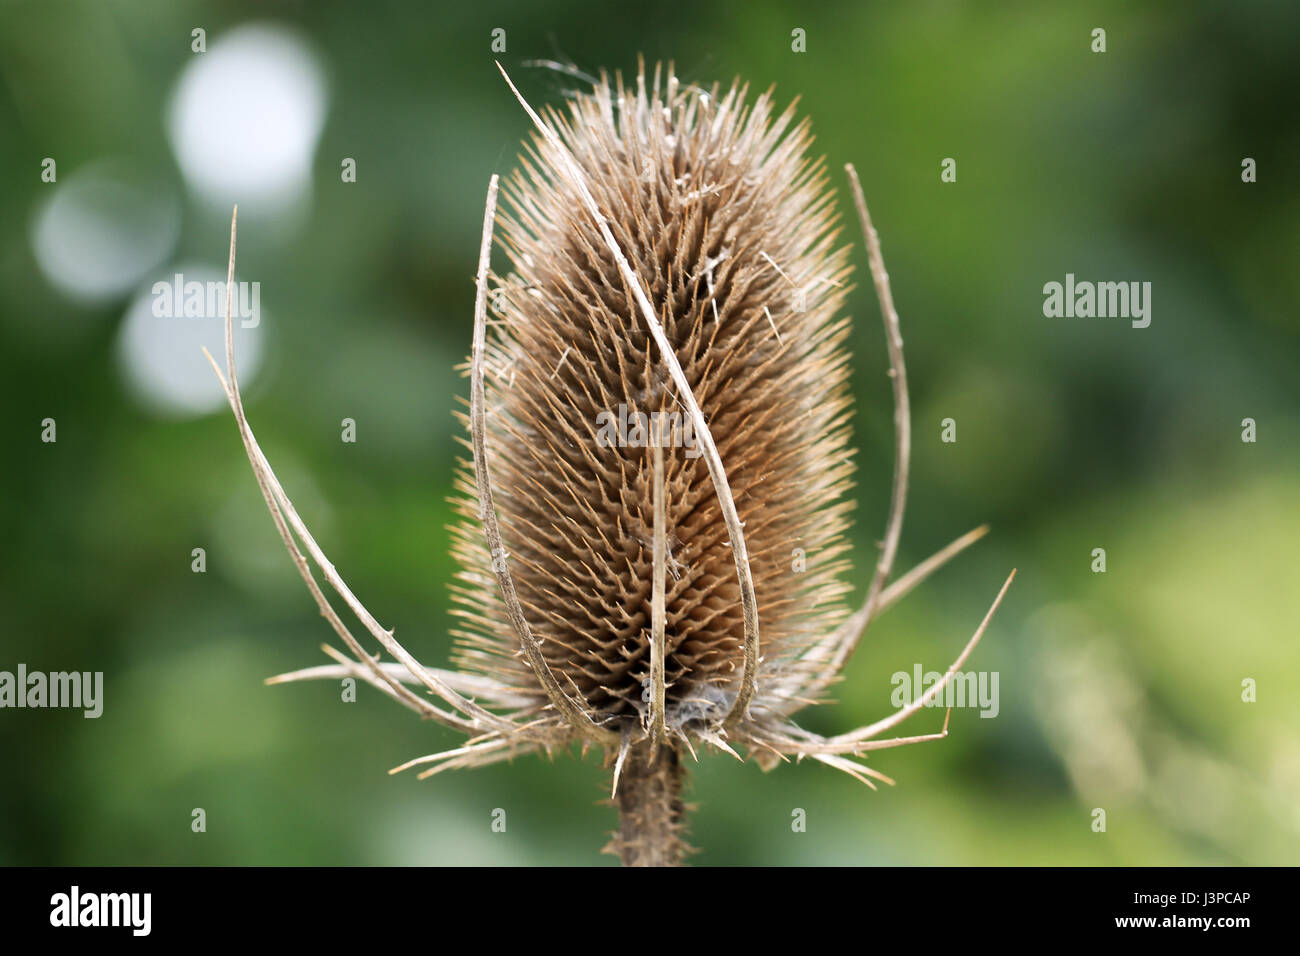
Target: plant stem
column 650, row 809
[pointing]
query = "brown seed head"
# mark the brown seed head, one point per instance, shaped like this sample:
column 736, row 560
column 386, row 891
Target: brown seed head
column 675, row 269
column 730, row 227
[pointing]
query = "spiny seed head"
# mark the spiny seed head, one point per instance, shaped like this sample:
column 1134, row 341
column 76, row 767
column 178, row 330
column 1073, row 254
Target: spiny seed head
column 731, row 229
column 659, row 432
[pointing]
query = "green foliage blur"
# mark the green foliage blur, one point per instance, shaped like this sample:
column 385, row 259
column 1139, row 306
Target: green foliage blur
column 1120, row 691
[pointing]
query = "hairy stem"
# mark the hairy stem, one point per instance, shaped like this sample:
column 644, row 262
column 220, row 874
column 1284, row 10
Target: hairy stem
column 650, row 809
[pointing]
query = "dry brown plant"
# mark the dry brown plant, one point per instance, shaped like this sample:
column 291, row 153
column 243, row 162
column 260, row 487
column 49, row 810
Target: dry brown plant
column 673, row 251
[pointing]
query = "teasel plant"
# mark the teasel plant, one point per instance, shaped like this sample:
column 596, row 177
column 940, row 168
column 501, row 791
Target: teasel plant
column 673, row 251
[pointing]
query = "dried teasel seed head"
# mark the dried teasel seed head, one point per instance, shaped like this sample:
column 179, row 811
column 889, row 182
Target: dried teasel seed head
column 731, row 228
column 658, row 425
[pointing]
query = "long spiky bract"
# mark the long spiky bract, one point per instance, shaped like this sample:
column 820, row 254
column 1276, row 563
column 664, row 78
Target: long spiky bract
column 653, row 516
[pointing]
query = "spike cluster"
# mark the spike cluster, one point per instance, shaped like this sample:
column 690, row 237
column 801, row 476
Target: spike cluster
column 730, row 228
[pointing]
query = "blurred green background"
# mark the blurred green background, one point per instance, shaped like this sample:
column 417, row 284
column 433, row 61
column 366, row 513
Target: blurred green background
column 1119, row 690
